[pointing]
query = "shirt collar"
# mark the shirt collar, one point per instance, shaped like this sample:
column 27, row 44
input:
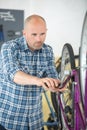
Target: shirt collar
column 23, row 43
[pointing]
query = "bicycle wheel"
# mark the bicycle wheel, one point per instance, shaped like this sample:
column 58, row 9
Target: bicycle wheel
column 83, row 56
column 54, row 96
column 67, row 97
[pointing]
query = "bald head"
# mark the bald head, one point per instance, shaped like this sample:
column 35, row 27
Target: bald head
column 34, row 19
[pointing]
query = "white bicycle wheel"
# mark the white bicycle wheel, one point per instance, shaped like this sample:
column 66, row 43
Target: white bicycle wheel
column 83, row 56
column 67, row 97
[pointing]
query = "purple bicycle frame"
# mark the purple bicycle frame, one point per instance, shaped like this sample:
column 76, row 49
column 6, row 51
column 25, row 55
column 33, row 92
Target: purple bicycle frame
column 80, row 112
column 85, row 98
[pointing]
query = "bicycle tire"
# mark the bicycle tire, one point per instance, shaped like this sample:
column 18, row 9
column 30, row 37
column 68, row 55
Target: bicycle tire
column 83, row 57
column 67, row 64
column 54, row 96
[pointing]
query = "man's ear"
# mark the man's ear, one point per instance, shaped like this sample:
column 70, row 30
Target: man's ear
column 23, row 32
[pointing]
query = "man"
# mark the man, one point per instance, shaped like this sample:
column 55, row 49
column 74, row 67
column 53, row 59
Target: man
column 26, row 68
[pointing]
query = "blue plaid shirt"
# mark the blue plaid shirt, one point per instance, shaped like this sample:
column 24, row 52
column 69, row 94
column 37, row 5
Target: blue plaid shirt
column 20, row 105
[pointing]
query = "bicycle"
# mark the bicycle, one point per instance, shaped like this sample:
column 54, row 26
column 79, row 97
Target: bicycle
column 74, row 110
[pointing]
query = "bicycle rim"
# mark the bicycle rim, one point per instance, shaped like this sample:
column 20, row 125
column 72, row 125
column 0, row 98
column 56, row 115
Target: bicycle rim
column 67, row 64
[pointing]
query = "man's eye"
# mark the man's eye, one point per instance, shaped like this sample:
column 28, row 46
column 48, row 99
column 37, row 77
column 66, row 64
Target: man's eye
column 34, row 34
column 42, row 34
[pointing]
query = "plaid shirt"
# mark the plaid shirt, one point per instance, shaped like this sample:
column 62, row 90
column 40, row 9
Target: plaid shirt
column 21, row 105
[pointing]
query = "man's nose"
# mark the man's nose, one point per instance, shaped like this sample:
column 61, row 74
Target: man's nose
column 38, row 38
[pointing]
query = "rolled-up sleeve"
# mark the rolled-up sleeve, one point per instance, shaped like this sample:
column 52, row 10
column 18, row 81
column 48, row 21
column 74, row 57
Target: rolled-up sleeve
column 10, row 64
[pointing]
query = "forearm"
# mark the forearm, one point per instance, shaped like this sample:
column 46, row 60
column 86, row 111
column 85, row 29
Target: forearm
column 25, row 79
column 47, row 83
